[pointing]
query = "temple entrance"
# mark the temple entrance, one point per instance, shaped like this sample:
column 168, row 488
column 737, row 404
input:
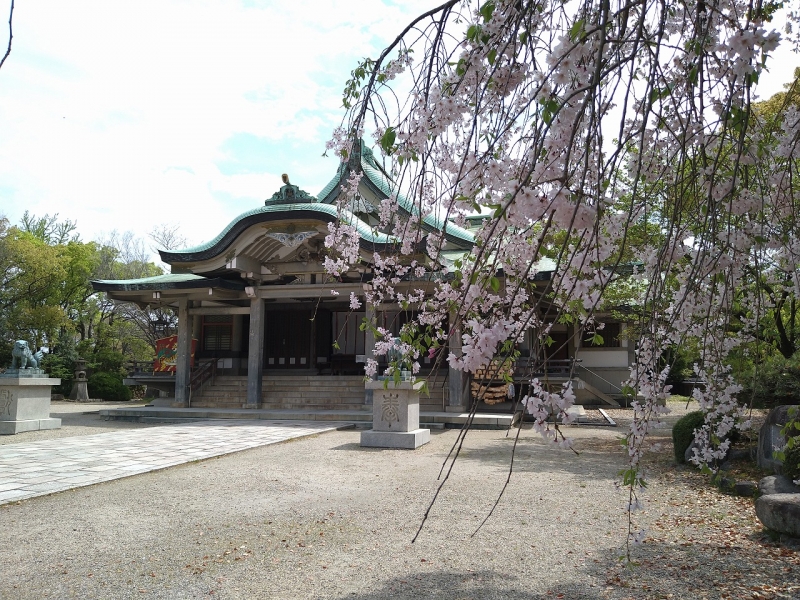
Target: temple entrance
column 287, row 339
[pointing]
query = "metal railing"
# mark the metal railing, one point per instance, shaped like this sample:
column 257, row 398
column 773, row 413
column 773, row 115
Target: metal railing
column 204, row 372
column 529, row 368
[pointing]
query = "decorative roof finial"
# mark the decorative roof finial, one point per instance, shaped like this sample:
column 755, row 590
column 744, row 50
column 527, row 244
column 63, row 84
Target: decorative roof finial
column 285, row 178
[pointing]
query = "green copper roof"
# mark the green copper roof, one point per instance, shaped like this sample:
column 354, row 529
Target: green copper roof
column 162, row 282
column 328, row 213
column 381, row 181
column 160, row 279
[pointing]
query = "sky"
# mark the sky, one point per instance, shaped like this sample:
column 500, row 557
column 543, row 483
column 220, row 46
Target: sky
column 123, row 116
column 126, row 115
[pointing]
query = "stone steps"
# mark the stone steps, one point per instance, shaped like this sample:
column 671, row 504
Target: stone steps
column 297, row 392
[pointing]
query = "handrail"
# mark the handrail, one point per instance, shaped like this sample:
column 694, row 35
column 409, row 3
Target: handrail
column 535, row 367
column 601, row 377
column 205, row 371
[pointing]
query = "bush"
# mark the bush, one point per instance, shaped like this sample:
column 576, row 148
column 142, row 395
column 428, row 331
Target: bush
column 108, row 386
column 61, row 367
column 107, row 361
column 683, row 433
column 791, row 462
column 772, row 383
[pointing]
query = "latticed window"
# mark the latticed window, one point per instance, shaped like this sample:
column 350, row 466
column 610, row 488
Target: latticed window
column 217, row 332
column 610, row 334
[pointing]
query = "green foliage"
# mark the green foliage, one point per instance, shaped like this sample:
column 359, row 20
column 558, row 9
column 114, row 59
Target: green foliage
column 791, row 462
column 680, row 364
column 772, row 383
column 63, row 368
column 683, row 433
column 108, row 361
column 108, row 386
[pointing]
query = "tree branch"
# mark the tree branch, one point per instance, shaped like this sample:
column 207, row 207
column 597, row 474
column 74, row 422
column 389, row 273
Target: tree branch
column 10, row 34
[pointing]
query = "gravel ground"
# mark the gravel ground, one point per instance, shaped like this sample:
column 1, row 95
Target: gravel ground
column 322, row 518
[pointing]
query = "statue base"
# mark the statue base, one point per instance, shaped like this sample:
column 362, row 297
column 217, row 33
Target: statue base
column 395, row 416
column 25, row 402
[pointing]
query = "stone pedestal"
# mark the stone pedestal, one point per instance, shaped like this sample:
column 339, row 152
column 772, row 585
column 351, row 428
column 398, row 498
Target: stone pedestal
column 25, row 402
column 395, row 416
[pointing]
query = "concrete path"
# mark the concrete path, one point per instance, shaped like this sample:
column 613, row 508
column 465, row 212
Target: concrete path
column 44, row 467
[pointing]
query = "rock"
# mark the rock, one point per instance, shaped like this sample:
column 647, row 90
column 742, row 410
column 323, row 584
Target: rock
column 689, row 454
column 57, row 397
column 741, row 454
column 777, row 484
column 726, row 483
column 780, row 512
column 769, row 436
column 726, row 466
column 747, row 489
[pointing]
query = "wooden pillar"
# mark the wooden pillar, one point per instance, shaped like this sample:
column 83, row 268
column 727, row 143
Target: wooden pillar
column 255, row 353
column 369, row 346
column 183, row 363
column 457, row 381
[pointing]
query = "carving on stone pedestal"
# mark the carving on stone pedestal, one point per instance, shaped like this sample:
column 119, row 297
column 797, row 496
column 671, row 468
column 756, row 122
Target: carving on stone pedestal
column 390, row 407
column 6, row 398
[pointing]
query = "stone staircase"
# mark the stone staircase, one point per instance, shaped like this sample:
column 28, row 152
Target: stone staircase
column 298, row 392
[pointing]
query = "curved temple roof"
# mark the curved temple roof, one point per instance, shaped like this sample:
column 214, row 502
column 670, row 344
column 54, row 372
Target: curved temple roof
column 273, row 212
column 381, row 181
column 292, row 202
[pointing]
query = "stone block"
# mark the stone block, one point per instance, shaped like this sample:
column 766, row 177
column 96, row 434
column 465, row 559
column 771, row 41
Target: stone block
column 405, row 440
column 769, row 438
column 14, row 427
column 777, row 484
column 25, row 404
column 395, row 407
column 780, row 512
column 747, row 489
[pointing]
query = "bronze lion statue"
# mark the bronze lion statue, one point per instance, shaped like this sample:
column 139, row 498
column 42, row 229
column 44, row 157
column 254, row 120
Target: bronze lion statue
column 22, row 357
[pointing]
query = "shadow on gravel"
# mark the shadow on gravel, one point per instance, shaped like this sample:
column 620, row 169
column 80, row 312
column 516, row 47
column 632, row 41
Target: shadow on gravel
column 702, row 568
column 601, row 457
column 478, row 585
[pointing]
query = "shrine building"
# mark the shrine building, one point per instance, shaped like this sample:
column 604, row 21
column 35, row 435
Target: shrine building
column 273, row 330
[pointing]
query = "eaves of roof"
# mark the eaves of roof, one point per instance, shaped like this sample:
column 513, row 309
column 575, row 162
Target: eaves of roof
column 274, row 212
column 181, row 281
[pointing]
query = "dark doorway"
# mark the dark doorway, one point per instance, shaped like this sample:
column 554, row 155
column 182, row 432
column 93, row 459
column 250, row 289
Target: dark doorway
column 287, row 339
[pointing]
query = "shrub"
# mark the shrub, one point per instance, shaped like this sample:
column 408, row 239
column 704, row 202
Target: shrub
column 776, row 381
column 61, row 367
column 683, row 433
column 108, row 361
column 108, row 386
column 791, row 462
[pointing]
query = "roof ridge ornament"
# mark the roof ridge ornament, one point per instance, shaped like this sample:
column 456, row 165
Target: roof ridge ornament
column 289, row 194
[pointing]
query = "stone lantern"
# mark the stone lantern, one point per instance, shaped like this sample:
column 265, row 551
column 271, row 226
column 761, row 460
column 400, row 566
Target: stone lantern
column 79, row 392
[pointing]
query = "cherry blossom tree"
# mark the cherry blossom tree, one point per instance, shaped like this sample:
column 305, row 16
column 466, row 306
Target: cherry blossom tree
column 572, row 126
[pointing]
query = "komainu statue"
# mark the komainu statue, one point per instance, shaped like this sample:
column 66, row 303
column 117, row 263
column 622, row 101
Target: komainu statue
column 22, row 357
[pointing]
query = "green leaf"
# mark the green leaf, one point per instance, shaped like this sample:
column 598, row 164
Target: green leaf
column 576, row 30
column 387, row 140
column 494, row 283
column 486, row 11
column 492, row 56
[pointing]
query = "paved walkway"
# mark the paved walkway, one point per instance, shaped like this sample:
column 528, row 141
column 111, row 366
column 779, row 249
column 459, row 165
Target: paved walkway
column 41, row 468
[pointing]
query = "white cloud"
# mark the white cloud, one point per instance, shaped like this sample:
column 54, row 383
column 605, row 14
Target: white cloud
column 117, row 114
column 114, row 114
